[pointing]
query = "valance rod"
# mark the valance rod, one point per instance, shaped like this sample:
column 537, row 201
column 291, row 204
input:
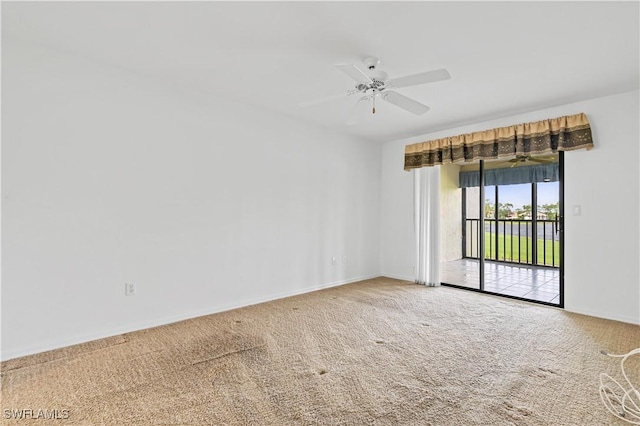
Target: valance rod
column 549, row 136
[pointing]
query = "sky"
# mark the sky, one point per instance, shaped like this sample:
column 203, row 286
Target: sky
column 519, row 195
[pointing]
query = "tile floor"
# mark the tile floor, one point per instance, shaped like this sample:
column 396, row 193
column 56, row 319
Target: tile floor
column 530, row 282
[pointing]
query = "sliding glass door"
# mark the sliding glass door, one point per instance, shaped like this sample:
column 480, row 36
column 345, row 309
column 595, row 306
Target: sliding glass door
column 510, row 228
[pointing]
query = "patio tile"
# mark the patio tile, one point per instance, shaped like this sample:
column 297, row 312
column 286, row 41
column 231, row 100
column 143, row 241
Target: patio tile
column 534, row 283
column 541, row 295
column 553, row 286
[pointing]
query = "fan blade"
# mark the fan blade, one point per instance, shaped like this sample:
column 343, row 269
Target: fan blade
column 354, row 72
column 352, row 120
column 405, row 103
column 322, row 100
column 422, row 78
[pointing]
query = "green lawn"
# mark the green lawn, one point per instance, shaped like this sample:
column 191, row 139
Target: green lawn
column 523, row 245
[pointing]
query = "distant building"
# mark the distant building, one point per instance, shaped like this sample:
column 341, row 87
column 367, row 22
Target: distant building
column 539, row 216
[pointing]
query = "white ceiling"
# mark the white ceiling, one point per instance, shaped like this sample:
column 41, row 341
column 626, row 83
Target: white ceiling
column 504, row 57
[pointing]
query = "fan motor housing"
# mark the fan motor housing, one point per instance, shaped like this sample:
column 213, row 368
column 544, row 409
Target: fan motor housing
column 375, row 85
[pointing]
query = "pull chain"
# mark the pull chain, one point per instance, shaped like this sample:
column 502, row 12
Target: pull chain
column 374, row 102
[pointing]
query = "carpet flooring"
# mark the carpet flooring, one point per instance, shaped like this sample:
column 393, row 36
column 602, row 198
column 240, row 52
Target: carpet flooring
column 376, row 352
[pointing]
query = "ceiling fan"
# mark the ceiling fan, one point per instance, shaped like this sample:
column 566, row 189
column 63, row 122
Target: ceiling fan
column 520, row 159
column 374, row 84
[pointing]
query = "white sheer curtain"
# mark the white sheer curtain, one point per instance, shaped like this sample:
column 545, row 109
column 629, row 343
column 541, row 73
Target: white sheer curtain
column 427, row 225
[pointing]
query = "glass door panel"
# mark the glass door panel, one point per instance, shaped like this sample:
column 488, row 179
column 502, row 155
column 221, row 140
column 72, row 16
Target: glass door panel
column 514, row 224
column 490, row 223
column 548, row 224
column 460, row 221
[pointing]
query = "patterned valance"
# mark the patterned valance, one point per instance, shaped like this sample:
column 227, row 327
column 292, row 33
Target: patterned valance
column 549, row 136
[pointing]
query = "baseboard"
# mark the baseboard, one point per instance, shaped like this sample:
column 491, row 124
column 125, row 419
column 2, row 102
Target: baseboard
column 399, row 277
column 5, row 356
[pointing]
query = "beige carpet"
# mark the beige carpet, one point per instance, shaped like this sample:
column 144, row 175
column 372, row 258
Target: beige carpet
column 379, row 352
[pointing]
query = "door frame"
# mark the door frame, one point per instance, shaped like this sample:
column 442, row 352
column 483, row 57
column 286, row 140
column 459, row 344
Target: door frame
column 481, row 240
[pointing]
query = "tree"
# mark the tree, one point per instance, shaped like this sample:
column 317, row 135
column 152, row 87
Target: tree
column 504, row 210
column 551, row 210
column 489, row 209
column 525, row 212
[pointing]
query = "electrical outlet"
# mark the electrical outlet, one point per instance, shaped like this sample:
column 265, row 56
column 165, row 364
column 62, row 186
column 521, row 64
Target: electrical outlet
column 333, row 260
column 344, row 259
column 129, row 289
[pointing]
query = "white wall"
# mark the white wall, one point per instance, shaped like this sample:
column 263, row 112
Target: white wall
column 602, row 245
column 205, row 205
column 397, row 243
